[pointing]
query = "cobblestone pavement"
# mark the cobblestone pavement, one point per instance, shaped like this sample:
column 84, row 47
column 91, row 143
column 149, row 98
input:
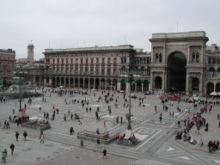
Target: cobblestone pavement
column 157, row 140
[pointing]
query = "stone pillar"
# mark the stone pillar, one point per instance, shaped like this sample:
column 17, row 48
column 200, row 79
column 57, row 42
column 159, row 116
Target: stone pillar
column 128, row 87
column 50, row 81
column 94, row 83
column 84, row 81
column 200, row 85
column 74, row 82
column 214, row 86
column 64, row 81
column 119, row 86
column 187, row 84
column 106, row 85
column 151, row 83
column 142, row 87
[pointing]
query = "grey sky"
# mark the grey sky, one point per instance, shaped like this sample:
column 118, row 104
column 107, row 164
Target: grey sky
column 80, row 23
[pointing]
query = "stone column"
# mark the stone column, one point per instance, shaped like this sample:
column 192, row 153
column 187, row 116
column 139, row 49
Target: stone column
column 128, row 87
column 45, row 81
column 50, row 81
column 83, row 82
column 119, row 86
column 200, row 85
column 94, row 83
column 214, row 86
column 187, row 83
column 151, row 83
column 142, row 87
column 69, row 82
column 64, row 81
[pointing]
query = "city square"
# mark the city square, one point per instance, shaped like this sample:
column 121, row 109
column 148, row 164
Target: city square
column 157, row 141
column 109, row 82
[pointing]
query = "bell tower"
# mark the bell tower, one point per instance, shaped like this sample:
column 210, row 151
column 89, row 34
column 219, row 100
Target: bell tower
column 30, row 53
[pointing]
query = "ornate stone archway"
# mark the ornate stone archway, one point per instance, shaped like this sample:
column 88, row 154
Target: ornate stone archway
column 191, row 45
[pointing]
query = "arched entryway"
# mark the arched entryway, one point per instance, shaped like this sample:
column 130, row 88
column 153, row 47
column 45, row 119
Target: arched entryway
column 195, row 84
column 123, row 85
column 145, row 85
column 158, row 82
column 217, row 87
column 210, row 88
column 176, row 72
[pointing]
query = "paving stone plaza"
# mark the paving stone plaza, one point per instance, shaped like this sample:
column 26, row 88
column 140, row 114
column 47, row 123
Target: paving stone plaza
column 157, row 144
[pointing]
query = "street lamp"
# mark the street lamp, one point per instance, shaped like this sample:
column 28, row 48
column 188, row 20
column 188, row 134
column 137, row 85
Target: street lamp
column 129, row 108
column 20, row 72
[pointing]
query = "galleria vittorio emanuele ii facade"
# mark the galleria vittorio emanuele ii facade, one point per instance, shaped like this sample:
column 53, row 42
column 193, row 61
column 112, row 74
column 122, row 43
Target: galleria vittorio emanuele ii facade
column 177, row 62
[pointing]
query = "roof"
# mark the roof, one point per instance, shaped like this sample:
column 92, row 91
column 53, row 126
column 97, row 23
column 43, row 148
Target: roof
column 91, row 49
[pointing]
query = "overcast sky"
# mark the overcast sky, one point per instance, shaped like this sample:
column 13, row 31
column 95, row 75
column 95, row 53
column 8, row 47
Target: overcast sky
column 82, row 23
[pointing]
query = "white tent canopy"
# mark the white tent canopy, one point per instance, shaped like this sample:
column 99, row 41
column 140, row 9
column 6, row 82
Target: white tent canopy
column 213, row 94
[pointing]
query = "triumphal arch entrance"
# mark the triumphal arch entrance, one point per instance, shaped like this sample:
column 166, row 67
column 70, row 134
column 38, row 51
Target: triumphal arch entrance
column 178, row 62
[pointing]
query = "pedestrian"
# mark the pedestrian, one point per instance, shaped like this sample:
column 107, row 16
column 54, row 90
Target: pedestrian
column 160, row 118
column 4, row 155
column 16, row 135
column 97, row 131
column 42, row 138
column 71, row 130
column 104, row 153
column 12, row 147
column 41, row 133
column 121, row 119
column 25, row 135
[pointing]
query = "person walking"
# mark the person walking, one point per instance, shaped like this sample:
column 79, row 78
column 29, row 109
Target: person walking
column 25, row 135
column 16, row 135
column 12, row 147
column 71, row 130
column 104, row 153
column 4, row 155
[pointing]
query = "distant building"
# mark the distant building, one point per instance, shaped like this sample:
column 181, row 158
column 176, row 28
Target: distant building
column 30, row 53
column 7, row 64
column 177, row 62
column 106, row 67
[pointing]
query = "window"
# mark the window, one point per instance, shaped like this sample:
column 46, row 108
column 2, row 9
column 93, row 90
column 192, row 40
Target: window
column 193, row 57
column 115, row 60
column 197, row 57
column 160, row 57
column 209, row 60
column 109, row 60
column 97, row 60
column 156, row 58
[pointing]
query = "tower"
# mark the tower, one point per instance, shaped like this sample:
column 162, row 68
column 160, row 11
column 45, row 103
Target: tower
column 30, row 53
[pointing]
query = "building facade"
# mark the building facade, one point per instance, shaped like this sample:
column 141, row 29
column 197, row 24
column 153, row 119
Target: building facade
column 7, row 64
column 97, row 68
column 177, row 62
column 212, row 83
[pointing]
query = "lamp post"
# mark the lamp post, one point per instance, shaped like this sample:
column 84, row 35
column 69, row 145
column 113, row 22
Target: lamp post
column 20, row 72
column 129, row 108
